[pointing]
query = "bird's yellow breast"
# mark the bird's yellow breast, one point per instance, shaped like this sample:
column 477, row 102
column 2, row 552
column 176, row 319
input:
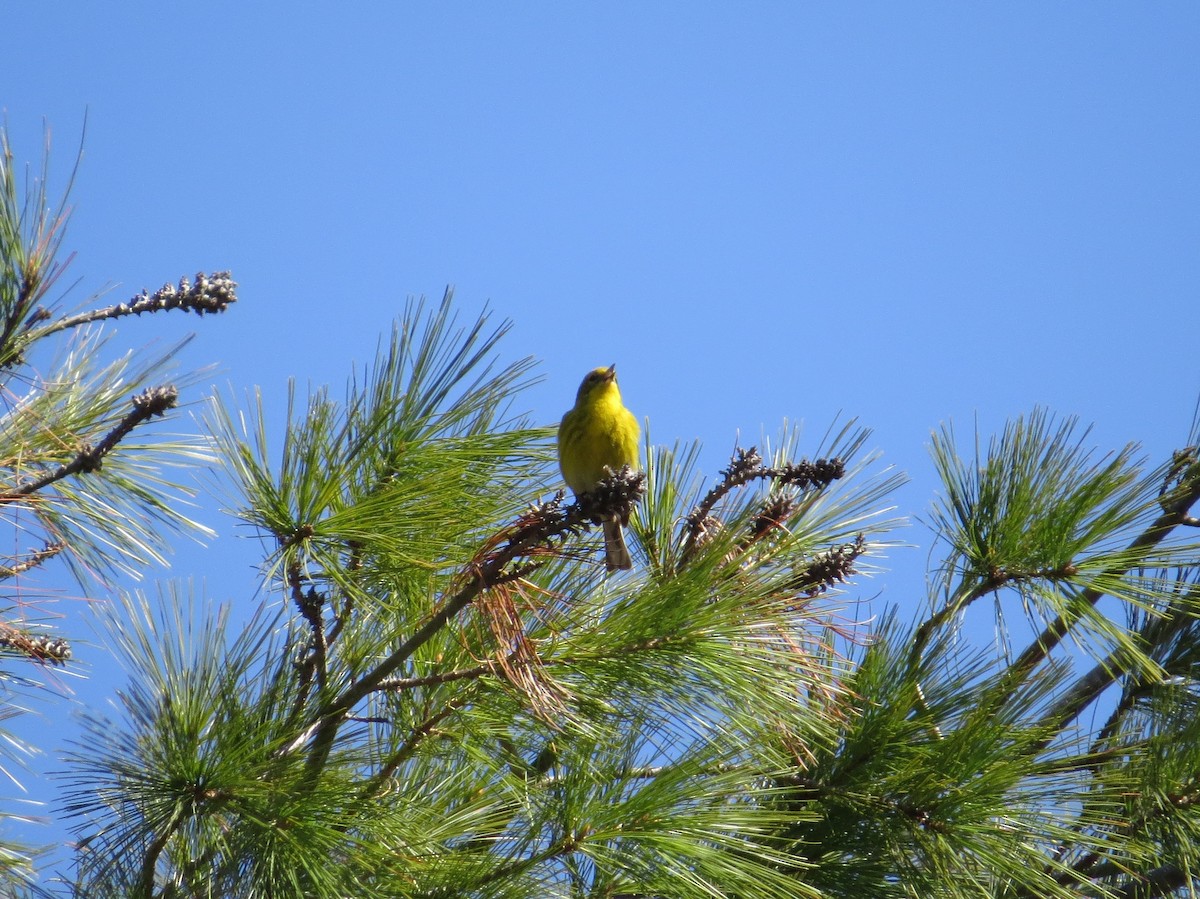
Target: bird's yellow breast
column 598, row 432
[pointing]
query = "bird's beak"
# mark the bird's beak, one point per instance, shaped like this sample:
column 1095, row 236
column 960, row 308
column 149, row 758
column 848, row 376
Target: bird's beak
column 611, row 374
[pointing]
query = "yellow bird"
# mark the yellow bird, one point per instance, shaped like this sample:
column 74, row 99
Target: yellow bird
column 598, row 434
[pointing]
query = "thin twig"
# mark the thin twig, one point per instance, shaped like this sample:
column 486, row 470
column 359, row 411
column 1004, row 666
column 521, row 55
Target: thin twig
column 343, row 614
column 964, row 597
column 409, row 746
column 432, row 680
column 310, row 604
column 207, row 294
column 35, row 558
column 146, row 405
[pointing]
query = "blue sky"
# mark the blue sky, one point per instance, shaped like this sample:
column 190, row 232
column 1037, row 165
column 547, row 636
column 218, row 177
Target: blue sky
column 906, row 212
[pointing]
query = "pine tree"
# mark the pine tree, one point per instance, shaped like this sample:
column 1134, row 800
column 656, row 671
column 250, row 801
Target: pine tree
column 81, row 482
column 441, row 692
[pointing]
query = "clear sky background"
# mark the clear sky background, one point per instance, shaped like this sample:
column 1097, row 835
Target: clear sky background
column 909, row 213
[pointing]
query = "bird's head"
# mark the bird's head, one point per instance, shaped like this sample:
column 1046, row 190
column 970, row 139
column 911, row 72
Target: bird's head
column 597, row 383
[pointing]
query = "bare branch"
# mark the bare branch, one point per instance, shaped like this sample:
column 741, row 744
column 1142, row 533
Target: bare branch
column 207, row 294
column 36, row 558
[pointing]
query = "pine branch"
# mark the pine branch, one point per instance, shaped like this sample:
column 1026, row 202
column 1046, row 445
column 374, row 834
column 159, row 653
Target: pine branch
column 398, row 684
column 475, row 674
column 565, row 845
column 156, row 848
column 31, row 235
column 747, row 466
column 38, row 647
column 207, row 294
column 1090, row 865
column 146, row 405
column 419, row 733
column 310, row 603
column 997, row 578
column 1175, row 508
column 433, row 680
column 1160, row 881
column 36, row 558
column 346, row 611
column 1088, row 687
column 535, row 534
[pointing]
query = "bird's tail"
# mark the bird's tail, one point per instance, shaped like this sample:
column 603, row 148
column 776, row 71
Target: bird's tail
column 616, row 553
